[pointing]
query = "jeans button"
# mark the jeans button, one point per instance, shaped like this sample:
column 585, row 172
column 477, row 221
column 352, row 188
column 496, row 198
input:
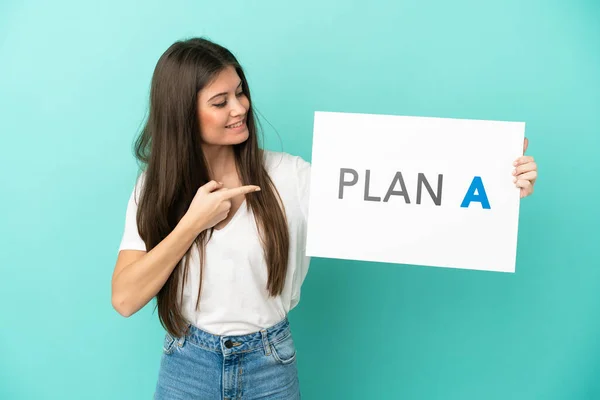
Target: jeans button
column 228, row 344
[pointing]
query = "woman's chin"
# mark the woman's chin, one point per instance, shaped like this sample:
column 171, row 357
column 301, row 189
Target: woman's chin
column 240, row 137
column 234, row 139
column 229, row 139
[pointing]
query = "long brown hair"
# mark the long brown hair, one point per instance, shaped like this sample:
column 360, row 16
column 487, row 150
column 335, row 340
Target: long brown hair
column 169, row 149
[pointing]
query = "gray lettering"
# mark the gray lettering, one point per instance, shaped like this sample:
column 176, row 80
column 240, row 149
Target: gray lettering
column 367, row 180
column 391, row 191
column 343, row 183
column 422, row 180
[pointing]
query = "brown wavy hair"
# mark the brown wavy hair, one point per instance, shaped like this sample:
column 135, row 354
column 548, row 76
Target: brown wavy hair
column 169, row 150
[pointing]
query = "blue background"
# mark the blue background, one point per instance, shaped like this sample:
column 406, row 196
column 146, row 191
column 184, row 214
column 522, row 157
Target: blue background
column 74, row 83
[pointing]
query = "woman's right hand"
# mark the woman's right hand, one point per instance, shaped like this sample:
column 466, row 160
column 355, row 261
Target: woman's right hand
column 212, row 203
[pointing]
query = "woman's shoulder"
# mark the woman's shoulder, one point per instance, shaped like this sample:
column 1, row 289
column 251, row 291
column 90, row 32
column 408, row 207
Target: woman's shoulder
column 291, row 175
column 281, row 162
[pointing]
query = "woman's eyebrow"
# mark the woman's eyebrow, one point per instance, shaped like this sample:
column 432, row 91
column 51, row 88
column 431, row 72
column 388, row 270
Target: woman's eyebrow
column 224, row 93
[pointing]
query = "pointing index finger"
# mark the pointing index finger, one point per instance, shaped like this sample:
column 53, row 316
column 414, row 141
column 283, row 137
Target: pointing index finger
column 240, row 190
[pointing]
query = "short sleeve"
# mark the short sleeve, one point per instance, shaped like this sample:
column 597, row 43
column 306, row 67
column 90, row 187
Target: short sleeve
column 131, row 239
column 303, row 170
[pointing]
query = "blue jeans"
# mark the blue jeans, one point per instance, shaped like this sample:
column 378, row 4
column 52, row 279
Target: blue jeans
column 200, row 365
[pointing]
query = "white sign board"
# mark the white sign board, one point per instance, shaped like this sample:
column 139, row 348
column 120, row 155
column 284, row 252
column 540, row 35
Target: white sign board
column 414, row 190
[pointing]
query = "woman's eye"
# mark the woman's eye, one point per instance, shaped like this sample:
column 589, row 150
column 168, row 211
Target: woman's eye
column 223, row 104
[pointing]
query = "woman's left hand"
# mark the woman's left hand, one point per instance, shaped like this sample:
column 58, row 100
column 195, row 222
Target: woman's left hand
column 525, row 172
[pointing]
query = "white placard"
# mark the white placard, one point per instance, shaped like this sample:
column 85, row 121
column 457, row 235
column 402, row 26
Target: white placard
column 415, row 190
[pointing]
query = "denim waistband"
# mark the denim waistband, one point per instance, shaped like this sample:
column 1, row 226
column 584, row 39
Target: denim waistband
column 239, row 343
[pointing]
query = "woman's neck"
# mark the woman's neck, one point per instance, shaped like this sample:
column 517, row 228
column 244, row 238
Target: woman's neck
column 221, row 162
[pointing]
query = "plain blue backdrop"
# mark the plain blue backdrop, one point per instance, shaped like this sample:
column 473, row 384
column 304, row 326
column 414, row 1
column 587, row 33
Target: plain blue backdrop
column 74, row 83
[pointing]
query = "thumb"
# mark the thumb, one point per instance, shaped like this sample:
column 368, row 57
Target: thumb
column 525, row 145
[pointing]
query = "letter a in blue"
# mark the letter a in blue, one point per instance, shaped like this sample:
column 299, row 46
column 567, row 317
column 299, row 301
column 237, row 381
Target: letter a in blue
column 476, row 193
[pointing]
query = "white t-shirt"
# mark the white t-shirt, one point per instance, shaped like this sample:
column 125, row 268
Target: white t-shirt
column 234, row 299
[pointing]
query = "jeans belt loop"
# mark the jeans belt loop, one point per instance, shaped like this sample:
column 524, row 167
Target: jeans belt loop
column 265, row 340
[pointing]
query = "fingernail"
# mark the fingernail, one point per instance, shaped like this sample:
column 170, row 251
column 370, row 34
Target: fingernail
column 257, row 190
column 514, row 171
column 515, row 163
column 220, row 183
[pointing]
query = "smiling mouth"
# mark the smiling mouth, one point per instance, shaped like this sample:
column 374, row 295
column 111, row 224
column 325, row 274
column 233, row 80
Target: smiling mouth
column 236, row 125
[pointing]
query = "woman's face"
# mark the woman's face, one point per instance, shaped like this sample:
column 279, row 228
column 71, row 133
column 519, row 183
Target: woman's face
column 222, row 110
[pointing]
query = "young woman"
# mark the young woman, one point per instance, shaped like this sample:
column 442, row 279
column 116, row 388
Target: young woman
column 215, row 229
